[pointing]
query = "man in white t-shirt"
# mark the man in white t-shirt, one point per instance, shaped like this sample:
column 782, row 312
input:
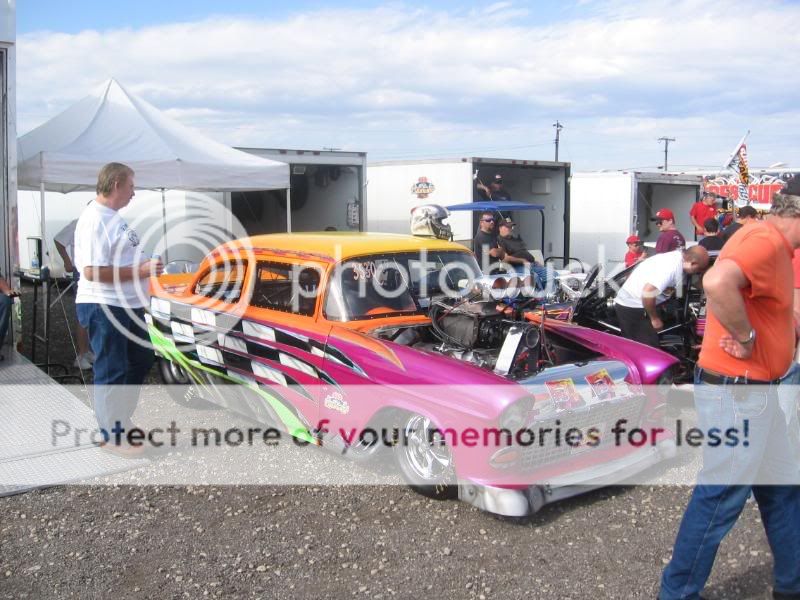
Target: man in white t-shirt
column 648, row 286
column 112, row 292
column 65, row 245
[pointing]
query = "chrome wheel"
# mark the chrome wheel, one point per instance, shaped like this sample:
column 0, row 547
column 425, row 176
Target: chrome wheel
column 424, row 458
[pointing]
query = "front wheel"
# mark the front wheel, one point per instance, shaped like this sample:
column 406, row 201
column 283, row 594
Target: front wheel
column 425, row 459
column 179, row 385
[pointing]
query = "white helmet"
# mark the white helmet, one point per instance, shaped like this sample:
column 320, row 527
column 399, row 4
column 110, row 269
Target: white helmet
column 428, row 220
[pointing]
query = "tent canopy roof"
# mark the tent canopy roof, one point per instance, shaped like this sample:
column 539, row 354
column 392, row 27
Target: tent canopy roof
column 67, row 152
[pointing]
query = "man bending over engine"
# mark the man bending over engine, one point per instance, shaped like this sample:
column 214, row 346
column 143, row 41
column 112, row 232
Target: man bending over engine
column 649, row 285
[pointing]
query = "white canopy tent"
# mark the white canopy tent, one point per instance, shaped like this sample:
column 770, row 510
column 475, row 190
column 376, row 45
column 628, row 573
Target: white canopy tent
column 66, row 153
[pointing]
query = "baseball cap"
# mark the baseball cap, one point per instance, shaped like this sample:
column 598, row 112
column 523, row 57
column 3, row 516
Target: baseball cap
column 497, row 178
column 508, row 222
column 792, row 187
column 663, row 215
column 633, row 239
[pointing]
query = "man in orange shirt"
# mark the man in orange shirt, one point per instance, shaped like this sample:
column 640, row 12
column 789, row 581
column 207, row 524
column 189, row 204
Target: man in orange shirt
column 701, row 210
column 747, row 347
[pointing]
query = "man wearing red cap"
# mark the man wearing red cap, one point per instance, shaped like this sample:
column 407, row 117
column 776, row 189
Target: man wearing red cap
column 636, row 251
column 670, row 238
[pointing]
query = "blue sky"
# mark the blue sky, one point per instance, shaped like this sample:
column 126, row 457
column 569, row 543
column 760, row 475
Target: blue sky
column 79, row 15
column 412, row 80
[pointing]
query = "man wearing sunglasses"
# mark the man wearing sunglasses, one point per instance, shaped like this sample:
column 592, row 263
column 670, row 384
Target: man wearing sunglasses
column 485, row 244
column 670, row 238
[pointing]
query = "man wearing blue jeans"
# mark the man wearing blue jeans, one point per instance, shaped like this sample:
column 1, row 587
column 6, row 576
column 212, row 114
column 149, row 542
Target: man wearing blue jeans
column 110, row 303
column 748, row 346
column 6, row 303
column 518, row 256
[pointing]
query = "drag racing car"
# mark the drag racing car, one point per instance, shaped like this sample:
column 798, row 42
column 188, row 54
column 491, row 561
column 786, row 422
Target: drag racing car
column 332, row 333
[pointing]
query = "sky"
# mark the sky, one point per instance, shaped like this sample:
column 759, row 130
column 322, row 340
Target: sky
column 408, row 80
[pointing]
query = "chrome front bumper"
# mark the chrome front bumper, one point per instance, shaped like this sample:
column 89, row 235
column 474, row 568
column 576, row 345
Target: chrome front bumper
column 523, row 502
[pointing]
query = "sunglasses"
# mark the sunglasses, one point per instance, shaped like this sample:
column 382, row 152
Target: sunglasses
column 658, row 223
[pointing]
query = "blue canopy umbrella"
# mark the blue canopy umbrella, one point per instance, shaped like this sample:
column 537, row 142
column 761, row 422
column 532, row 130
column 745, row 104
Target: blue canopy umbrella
column 497, row 206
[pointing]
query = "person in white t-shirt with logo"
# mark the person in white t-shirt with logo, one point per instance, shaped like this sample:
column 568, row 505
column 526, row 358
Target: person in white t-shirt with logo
column 637, row 301
column 65, row 245
column 112, row 291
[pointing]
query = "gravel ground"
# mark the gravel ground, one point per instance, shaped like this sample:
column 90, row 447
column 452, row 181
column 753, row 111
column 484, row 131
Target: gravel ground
column 378, row 541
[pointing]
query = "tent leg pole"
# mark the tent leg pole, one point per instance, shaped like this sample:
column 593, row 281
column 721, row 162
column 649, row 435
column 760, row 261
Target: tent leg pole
column 43, row 261
column 288, row 210
column 164, row 224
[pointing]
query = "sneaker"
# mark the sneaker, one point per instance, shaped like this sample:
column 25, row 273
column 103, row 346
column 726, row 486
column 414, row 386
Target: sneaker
column 83, row 362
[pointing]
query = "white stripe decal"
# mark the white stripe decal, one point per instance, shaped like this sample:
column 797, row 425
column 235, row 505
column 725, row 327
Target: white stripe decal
column 209, row 355
column 204, row 317
column 265, row 372
column 290, row 361
column 258, row 331
column 182, row 332
column 232, row 343
column 160, row 308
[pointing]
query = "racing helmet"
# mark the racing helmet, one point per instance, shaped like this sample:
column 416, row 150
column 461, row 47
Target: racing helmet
column 428, row 220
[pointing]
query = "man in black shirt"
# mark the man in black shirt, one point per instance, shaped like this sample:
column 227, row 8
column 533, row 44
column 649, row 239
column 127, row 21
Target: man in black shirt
column 517, row 253
column 515, row 247
column 712, row 240
column 746, row 214
column 485, row 244
column 495, row 190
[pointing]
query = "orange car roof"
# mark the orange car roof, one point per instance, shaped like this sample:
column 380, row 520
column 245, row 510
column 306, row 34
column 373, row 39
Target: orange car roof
column 344, row 245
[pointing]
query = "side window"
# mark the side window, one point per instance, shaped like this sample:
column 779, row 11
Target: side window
column 288, row 288
column 224, row 281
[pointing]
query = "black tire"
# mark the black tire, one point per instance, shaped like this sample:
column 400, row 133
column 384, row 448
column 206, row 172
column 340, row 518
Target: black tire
column 180, row 387
column 424, row 459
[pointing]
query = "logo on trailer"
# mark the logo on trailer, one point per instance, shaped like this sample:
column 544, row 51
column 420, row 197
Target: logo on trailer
column 423, row 188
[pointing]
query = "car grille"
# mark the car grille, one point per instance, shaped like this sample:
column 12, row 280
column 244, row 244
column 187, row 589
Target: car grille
column 604, row 416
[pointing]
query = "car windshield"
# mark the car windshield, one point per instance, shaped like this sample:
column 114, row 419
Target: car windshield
column 393, row 284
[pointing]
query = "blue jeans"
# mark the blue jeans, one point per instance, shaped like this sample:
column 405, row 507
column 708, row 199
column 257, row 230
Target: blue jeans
column 789, row 396
column 539, row 274
column 6, row 304
column 120, row 364
column 724, row 486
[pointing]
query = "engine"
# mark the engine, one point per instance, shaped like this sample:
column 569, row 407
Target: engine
column 475, row 332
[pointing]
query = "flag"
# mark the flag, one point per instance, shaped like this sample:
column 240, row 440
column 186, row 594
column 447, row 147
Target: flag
column 738, row 163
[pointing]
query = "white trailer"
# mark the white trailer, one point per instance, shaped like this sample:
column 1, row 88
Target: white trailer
column 8, row 140
column 327, row 191
column 608, row 207
column 395, row 187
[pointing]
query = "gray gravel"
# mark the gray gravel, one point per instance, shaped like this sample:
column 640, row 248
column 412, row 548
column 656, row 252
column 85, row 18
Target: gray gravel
column 342, row 541
column 382, row 542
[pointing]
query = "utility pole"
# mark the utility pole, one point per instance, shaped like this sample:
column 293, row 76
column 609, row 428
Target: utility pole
column 558, row 127
column 666, row 141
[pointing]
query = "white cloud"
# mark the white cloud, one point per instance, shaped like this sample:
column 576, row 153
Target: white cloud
column 395, row 81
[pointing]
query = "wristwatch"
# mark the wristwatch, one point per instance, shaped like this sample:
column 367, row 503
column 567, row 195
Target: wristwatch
column 750, row 338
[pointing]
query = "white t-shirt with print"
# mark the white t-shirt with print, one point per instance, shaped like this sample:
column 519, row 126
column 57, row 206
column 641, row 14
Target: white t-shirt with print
column 103, row 239
column 66, row 237
column 662, row 271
